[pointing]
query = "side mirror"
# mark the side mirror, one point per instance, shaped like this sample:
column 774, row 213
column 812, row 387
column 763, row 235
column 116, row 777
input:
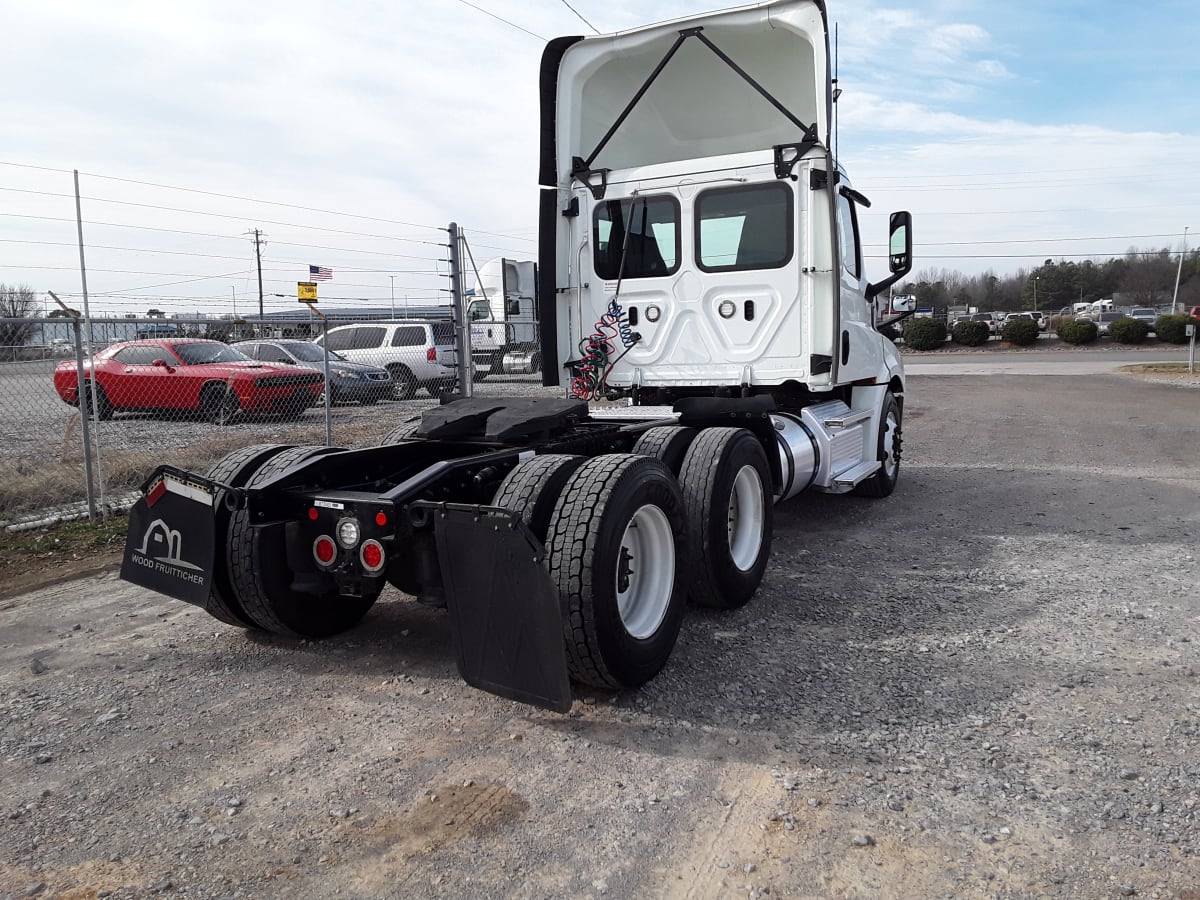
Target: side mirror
column 902, row 304
column 900, row 243
column 899, row 252
column 162, row 363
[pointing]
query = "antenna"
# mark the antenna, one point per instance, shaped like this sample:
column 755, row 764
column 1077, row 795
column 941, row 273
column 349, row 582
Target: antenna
column 837, row 91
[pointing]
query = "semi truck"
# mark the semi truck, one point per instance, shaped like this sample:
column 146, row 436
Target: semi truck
column 502, row 312
column 706, row 316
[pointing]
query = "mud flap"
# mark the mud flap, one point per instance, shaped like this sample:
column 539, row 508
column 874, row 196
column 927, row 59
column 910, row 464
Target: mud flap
column 170, row 544
column 505, row 613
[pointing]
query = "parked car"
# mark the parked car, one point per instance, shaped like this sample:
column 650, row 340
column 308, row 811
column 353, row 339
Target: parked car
column 1194, row 312
column 1145, row 314
column 348, row 381
column 1105, row 319
column 189, row 375
column 983, row 317
column 417, row 354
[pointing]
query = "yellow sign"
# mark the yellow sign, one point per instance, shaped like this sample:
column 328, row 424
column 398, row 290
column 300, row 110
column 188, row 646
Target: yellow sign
column 306, row 291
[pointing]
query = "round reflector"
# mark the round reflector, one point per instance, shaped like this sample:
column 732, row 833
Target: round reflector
column 380, row 519
column 324, row 549
column 312, row 513
column 371, row 555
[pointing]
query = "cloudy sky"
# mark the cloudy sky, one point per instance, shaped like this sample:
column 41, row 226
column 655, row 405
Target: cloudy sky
column 349, row 133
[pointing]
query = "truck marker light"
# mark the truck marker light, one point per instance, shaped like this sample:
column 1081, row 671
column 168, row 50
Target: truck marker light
column 371, row 555
column 324, row 549
column 347, row 533
column 312, row 513
column 381, row 519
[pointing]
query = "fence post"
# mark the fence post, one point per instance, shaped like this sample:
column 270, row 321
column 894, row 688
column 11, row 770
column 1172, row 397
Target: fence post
column 328, row 387
column 462, row 332
column 84, row 416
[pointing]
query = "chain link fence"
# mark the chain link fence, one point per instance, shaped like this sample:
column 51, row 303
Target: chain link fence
column 89, row 407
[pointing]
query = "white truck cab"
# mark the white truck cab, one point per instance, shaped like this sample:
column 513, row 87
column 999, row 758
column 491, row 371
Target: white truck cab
column 698, row 234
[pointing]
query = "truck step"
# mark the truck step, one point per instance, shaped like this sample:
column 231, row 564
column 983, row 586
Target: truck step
column 848, row 418
column 855, row 475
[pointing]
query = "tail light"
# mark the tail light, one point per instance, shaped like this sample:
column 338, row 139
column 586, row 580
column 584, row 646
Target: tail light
column 431, row 354
column 325, row 550
column 371, row 555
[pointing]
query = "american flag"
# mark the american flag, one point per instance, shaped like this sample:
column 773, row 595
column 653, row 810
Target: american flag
column 320, row 273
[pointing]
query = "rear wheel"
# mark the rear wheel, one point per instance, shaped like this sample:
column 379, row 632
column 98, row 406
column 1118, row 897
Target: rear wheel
column 265, row 579
column 726, row 484
column 104, row 407
column 219, row 403
column 667, row 443
column 404, row 383
column 234, row 470
column 883, row 482
column 402, row 432
column 617, row 554
column 532, row 489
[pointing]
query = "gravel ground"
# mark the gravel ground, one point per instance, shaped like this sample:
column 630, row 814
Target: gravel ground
column 983, row 686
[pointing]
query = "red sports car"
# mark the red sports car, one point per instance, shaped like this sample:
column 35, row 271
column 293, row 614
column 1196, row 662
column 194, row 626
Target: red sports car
column 196, row 376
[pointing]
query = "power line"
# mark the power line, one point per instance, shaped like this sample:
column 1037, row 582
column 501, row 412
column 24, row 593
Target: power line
column 581, row 18
column 500, row 19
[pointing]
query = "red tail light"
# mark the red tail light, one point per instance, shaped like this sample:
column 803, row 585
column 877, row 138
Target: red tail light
column 371, row 555
column 431, row 354
column 324, row 549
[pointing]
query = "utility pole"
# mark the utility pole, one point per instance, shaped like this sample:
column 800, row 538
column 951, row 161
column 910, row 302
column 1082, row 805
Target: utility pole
column 392, row 278
column 258, row 260
column 1178, row 271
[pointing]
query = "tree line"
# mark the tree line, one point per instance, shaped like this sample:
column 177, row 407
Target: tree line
column 1142, row 277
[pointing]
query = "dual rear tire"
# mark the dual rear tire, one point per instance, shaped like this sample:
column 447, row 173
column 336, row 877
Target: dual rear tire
column 627, row 542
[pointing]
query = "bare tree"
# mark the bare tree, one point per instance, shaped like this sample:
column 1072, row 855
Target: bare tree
column 17, row 301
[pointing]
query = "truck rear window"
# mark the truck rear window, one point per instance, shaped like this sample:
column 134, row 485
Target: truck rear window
column 744, row 227
column 637, row 237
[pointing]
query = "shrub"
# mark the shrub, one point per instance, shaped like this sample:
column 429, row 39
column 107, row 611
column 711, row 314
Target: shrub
column 1173, row 328
column 1128, row 330
column 969, row 334
column 1083, row 332
column 1022, row 332
column 924, row 334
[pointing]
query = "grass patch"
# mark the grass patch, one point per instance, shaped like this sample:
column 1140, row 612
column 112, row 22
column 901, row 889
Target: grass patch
column 66, row 541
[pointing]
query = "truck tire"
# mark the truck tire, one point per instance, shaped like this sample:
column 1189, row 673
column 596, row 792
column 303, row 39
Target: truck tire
column 727, row 490
column 262, row 577
column 235, row 470
column 617, row 554
column 403, row 432
column 891, row 439
column 533, row 488
column 667, row 443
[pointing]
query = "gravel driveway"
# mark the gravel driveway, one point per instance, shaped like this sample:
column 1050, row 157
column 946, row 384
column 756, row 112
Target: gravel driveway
column 984, row 686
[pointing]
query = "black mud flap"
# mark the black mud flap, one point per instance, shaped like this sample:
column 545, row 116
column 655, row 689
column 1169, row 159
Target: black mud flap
column 505, row 613
column 170, row 544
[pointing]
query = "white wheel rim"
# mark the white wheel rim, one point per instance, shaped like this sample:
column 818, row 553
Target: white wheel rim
column 646, row 568
column 890, row 463
column 745, row 518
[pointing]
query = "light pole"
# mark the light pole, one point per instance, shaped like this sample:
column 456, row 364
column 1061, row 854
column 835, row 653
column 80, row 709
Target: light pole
column 392, row 279
column 1179, row 270
column 1035, row 281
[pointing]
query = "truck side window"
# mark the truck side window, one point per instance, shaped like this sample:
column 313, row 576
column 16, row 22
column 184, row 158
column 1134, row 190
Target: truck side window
column 651, row 249
column 744, row 227
column 478, row 310
column 848, row 236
